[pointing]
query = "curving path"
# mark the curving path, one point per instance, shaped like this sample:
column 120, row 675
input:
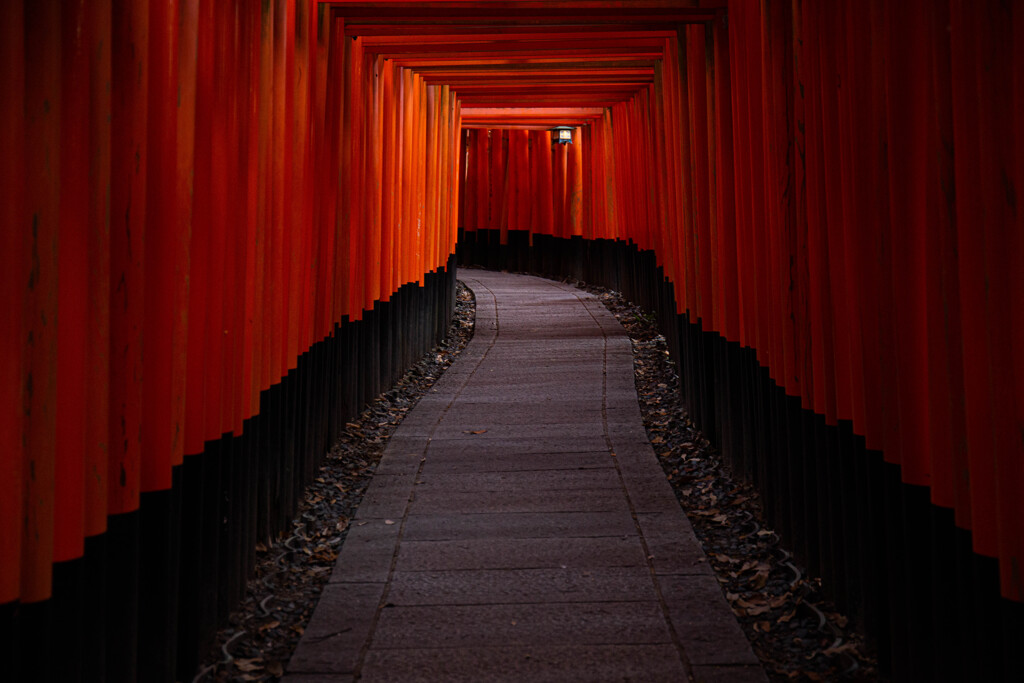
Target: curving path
column 519, row 528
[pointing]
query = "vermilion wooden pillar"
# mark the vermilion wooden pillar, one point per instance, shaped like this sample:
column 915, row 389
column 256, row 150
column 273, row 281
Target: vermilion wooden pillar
column 971, row 216
column 127, row 282
column 725, row 203
column 73, row 286
column 196, row 393
column 819, row 287
column 1015, row 248
column 39, row 332
column 185, row 121
column 165, row 259
column 14, row 269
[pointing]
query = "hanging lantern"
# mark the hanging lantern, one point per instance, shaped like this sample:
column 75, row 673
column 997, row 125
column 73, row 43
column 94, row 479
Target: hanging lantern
column 562, row 135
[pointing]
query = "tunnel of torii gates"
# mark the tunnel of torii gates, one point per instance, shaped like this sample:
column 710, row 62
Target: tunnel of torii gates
column 228, row 225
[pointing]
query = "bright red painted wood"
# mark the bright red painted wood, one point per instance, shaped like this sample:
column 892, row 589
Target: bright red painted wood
column 197, row 403
column 73, row 285
column 970, row 250
column 164, row 254
column 39, row 328
column 14, row 269
column 218, row 186
column 187, row 19
column 130, row 54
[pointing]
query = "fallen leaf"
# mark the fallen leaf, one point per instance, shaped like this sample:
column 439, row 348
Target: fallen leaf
column 275, row 669
column 838, row 649
column 759, row 580
column 249, row 664
column 389, row 522
column 838, row 619
column 785, row 619
column 269, row 625
column 477, row 431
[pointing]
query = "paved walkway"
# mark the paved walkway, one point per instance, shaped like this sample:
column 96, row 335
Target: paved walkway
column 519, row 528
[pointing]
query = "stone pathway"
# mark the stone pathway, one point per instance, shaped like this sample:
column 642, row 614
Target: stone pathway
column 519, row 528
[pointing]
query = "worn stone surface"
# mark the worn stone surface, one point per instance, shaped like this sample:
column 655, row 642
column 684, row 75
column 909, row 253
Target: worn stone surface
column 523, row 531
column 521, row 553
column 505, row 586
column 728, row 674
column 473, row 626
column 522, row 525
column 544, row 664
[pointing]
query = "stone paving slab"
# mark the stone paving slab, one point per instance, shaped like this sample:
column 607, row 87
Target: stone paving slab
column 506, row 586
column 455, row 461
column 469, row 433
column 520, row 445
column 522, row 525
column 587, row 480
column 544, row 664
column 369, row 548
column 519, row 527
column 728, row 674
column 706, row 641
column 469, row 502
column 499, row 394
column 467, row 626
column 333, row 640
column 553, row 414
column 521, row 553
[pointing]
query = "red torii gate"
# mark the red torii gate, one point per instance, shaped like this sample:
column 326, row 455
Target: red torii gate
column 196, row 194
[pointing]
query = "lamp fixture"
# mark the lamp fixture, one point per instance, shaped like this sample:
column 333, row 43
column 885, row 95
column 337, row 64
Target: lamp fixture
column 563, row 135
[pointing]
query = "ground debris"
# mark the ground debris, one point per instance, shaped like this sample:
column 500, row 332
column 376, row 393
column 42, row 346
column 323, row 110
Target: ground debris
column 290, row 574
column 797, row 634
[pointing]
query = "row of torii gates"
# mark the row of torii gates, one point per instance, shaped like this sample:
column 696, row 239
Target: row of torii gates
column 226, row 225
